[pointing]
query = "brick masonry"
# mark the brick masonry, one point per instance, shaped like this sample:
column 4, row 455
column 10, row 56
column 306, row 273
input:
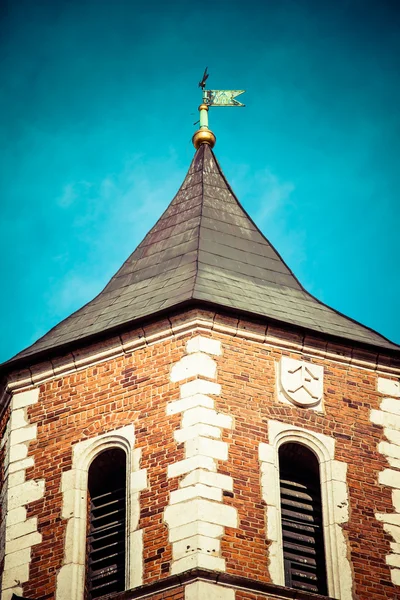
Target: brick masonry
column 133, row 386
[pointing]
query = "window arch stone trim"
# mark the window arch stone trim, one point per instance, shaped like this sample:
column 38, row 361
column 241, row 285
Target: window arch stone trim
column 74, row 483
column 335, row 504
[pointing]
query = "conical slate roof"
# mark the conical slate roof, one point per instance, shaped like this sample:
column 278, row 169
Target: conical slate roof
column 204, row 247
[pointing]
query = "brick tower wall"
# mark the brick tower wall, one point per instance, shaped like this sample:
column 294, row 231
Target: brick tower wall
column 106, row 388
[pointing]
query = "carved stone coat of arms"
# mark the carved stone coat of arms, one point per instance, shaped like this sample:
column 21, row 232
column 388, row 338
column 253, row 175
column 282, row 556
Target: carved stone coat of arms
column 300, row 382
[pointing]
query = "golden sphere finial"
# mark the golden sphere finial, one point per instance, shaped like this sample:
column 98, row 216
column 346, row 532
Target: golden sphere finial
column 204, row 136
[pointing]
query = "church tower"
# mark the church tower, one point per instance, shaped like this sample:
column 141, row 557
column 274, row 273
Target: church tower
column 204, row 429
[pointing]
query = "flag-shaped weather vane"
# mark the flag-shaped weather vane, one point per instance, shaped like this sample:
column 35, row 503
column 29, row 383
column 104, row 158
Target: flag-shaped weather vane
column 212, row 98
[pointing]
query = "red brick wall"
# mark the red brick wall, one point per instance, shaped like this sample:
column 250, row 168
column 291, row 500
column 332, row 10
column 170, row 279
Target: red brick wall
column 135, row 389
column 247, row 375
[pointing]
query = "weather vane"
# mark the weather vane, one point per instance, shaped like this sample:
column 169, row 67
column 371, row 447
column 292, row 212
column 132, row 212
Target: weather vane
column 212, row 98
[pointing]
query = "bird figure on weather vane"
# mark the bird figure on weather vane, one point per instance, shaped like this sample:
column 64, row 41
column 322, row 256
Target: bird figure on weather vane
column 202, row 83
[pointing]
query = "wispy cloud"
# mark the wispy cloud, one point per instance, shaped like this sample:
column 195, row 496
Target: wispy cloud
column 271, row 203
column 109, row 219
column 274, row 195
column 71, row 192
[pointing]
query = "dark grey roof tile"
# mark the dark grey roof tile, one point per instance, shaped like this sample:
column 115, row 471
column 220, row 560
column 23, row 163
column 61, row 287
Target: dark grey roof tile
column 227, row 217
column 204, row 247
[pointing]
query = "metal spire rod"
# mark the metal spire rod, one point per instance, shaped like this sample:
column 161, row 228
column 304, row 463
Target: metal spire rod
column 212, row 98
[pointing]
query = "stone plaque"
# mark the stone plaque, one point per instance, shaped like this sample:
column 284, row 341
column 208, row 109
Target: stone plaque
column 301, row 382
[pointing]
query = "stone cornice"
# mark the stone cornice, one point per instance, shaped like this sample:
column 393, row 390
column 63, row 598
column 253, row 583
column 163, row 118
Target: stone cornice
column 237, row 582
column 177, row 326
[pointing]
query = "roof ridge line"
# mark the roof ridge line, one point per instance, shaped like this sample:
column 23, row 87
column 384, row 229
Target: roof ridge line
column 201, row 149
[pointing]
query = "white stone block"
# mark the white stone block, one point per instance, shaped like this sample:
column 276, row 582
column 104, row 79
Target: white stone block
column 18, row 452
column 339, row 470
column 136, row 558
column 15, row 576
column 270, row 493
column 392, row 435
column 75, row 552
column 273, row 524
column 395, row 547
column 385, row 419
column 196, row 543
column 25, row 434
column 396, row 500
column 225, row 482
column 395, row 576
column 391, row 405
column 341, row 505
column 391, row 518
column 16, row 515
column 392, row 530
column 182, row 435
column 25, row 493
column 343, row 568
column 22, row 464
column 20, row 529
column 204, row 561
column 190, row 402
column 393, row 560
column 201, row 510
column 207, row 416
column 18, row 418
column 266, row 453
column 70, row 582
column 71, row 498
column 16, row 478
column 194, row 365
column 190, row 464
column 195, row 528
column 202, row 590
column 23, row 399
column 390, row 478
column 204, row 344
column 21, row 557
column 200, row 386
column 202, row 446
column 68, row 480
column 136, row 458
column 25, row 541
column 195, row 491
column 393, row 462
column 389, row 387
column 138, row 481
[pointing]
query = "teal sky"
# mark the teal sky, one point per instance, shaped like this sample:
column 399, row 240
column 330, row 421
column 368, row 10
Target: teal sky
column 97, row 104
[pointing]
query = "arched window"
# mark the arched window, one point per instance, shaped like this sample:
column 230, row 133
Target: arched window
column 72, row 578
column 106, row 530
column 301, row 518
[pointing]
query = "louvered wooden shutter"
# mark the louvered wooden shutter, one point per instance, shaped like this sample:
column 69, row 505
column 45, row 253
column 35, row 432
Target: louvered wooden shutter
column 303, row 543
column 107, row 531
